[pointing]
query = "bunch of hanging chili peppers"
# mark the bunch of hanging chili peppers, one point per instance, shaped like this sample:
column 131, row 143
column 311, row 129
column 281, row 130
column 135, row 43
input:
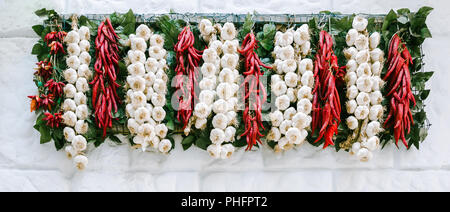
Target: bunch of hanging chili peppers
column 45, row 101
column 104, row 95
column 254, row 88
column 54, row 40
column 55, row 88
column 44, row 70
column 399, row 85
column 185, row 50
column 326, row 102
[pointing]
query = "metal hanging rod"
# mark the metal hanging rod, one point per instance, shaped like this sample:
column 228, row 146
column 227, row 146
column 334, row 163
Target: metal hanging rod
column 235, row 18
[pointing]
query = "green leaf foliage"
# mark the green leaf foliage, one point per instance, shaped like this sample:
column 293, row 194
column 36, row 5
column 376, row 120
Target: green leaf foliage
column 115, row 139
column 38, row 29
column 265, row 38
column 170, row 29
column 246, row 27
column 58, row 138
column 37, row 49
column 203, row 142
column 45, row 134
column 187, row 142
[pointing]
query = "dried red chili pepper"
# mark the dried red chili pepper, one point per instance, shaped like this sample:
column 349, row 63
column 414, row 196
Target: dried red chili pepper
column 54, row 40
column 104, row 94
column 50, row 37
column 185, row 51
column 55, row 88
column 56, row 47
column 44, row 70
column 46, row 101
column 326, row 103
column 36, row 103
column 254, row 90
column 55, row 36
column 398, row 79
column 53, row 120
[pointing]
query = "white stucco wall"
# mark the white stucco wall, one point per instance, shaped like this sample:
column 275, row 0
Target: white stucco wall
column 25, row 165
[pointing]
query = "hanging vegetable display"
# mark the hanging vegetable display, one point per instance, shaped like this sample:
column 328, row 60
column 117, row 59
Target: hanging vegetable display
column 104, row 94
column 326, row 103
column 305, row 90
column 188, row 59
column 255, row 93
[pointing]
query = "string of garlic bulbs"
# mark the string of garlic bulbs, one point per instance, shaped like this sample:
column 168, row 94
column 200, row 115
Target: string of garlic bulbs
column 302, row 46
column 209, row 70
column 363, row 81
column 225, row 107
column 146, row 95
column 291, row 84
column 75, row 103
column 208, row 81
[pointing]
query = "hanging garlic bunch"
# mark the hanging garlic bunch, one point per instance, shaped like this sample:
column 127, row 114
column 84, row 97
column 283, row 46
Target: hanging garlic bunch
column 225, row 87
column 75, row 103
column 208, row 82
column 292, row 85
column 146, row 95
column 363, row 81
column 225, row 107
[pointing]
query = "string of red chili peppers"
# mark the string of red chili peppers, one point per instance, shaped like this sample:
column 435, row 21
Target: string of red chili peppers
column 400, row 94
column 184, row 49
column 253, row 90
column 44, row 70
column 104, row 95
column 326, row 102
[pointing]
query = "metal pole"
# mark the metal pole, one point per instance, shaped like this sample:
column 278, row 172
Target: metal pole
column 236, row 18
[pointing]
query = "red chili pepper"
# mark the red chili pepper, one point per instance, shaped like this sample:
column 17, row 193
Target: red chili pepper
column 56, row 47
column 50, row 37
column 326, row 103
column 185, row 48
column 104, row 95
column 44, row 70
column 253, row 90
column 400, row 93
column 36, row 103
column 392, row 65
column 55, row 36
column 53, row 120
column 55, row 88
column 47, row 101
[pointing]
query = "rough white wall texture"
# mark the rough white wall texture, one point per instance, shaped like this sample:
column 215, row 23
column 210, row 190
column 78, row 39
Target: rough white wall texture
column 25, row 165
